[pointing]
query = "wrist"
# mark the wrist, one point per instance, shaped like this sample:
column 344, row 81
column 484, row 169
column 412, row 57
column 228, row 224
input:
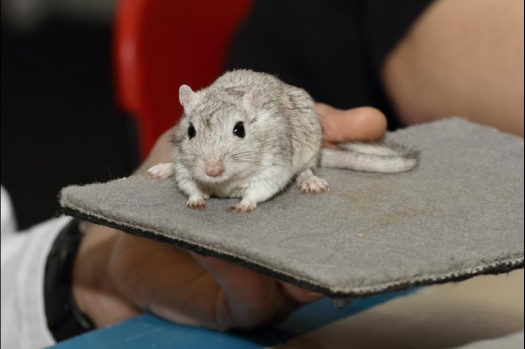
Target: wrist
column 93, row 287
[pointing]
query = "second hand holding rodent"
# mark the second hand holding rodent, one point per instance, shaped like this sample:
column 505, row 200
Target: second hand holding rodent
column 249, row 134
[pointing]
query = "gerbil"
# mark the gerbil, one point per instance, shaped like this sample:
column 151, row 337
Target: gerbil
column 249, row 134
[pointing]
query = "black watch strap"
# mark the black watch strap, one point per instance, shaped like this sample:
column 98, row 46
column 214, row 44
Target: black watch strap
column 64, row 319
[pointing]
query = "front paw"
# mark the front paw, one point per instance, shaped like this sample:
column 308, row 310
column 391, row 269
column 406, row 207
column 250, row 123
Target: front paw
column 196, row 204
column 160, row 171
column 243, row 208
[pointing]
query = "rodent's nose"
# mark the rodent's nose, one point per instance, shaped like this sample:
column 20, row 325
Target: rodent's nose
column 215, row 169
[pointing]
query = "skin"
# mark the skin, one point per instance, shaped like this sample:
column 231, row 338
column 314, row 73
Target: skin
column 117, row 276
column 461, row 58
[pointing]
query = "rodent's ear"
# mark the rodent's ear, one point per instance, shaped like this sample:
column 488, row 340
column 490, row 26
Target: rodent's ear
column 188, row 99
column 254, row 100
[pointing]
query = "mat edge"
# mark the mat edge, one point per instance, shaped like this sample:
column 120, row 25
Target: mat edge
column 500, row 267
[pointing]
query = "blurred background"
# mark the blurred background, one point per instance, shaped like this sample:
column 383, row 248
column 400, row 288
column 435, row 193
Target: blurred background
column 60, row 122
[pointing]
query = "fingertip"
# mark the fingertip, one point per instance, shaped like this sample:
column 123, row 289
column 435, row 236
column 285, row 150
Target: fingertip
column 370, row 123
column 301, row 295
column 359, row 124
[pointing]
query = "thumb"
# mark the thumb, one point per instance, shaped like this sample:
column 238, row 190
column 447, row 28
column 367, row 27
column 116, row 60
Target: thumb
column 359, row 124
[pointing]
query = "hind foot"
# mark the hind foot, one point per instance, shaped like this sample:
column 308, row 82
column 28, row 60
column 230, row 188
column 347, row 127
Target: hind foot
column 307, row 182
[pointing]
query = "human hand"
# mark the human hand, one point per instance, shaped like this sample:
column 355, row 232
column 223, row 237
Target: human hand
column 118, row 276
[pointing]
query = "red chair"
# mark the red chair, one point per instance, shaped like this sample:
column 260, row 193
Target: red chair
column 162, row 44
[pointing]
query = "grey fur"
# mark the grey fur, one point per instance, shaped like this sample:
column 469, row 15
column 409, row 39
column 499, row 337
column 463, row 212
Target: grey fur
column 371, row 157
column 283, row 140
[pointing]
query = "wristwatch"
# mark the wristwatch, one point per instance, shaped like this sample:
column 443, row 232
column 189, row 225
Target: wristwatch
column 64, row 318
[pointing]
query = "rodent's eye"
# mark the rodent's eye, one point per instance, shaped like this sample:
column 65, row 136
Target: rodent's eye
column 239, row 130
column 191, row 131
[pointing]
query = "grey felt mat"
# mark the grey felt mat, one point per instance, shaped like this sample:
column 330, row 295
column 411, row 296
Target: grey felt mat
column 459, row 214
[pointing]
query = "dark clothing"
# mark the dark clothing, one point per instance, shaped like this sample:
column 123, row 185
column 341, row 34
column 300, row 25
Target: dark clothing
column 332, row 48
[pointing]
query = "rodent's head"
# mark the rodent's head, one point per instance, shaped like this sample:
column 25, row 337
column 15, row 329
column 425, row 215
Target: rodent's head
column 220, row 139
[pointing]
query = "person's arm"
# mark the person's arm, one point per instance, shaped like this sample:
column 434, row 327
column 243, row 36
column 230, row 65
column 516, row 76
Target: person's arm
column 24, row 256
column 461, row 58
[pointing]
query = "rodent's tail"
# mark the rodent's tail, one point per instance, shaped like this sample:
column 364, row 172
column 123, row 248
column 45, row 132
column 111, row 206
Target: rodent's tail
column 371, row 157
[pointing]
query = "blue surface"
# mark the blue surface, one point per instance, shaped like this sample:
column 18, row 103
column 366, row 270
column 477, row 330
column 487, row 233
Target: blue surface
column 148, row 331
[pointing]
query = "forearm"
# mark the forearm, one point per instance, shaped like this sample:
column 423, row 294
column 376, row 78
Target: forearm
column 462, row 58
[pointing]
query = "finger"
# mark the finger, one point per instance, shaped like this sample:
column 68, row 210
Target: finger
column 171, row 284
column 250, row 298
column 249, row 286
column 246, row 285
column 360, row 124
column 300, row 295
